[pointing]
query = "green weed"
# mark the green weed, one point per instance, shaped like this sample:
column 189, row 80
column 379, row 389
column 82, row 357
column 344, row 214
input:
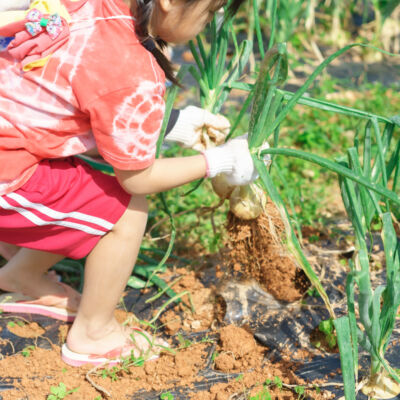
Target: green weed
column 115, row 372
column 327, row 327
column 167, row 396
column 300, row 390
column 313, row 292
column 60, row 392
column 263, row 395
column 26, row 352
column 183, row 343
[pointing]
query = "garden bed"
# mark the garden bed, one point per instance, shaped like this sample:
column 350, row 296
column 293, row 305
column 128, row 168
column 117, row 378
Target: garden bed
column 241, row 343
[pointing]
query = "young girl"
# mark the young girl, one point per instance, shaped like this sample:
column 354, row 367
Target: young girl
column 79, row 76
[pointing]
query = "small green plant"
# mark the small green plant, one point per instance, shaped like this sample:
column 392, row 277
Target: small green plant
column 60, row 392
column 239, row 378
column 300, row 390
column 26, row 352
column 313, row 238
column 184, row 343
column 167, row 396
column 327, row 327
column 11, row 324
column 214, row 356
column 313, row 292
column 317, row 389
column 263, row 395
column 278, row 382
column 111, row 373
column 206, row 339
column 127, row 362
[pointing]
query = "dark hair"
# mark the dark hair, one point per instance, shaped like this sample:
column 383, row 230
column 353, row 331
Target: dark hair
column 143, row 14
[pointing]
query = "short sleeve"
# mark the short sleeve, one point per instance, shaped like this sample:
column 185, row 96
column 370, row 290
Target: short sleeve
column 126, row 124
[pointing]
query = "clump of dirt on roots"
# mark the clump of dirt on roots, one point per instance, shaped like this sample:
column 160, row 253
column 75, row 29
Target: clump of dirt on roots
column 256, row 251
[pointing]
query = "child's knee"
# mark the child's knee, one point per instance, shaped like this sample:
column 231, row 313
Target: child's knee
column 134, row 220
column 7, row 251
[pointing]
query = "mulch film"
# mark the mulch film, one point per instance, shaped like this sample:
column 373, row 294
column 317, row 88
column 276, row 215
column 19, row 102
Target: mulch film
column 239, row 337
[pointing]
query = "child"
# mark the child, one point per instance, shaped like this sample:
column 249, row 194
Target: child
column 77, row 78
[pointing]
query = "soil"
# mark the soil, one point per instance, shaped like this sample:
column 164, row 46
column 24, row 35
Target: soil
column 224, row 349
column 257, row 252
column 204, row 342
column 25, row 330
column 44, row 368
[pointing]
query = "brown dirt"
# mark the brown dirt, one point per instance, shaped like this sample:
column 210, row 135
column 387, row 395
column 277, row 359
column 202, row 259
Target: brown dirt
column 202, row 299
column 25, row 330
column 238, row 352
column 235, row 352
column 256, row 252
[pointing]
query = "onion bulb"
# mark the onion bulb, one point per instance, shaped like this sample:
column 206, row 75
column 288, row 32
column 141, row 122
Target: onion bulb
column 381, row 386
column 247, row 202
column 221, row 186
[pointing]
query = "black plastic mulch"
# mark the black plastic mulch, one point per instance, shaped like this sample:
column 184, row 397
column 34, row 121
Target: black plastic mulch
column 274, row 324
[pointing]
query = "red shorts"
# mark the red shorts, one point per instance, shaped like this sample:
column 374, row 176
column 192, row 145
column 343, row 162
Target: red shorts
column 65, row 208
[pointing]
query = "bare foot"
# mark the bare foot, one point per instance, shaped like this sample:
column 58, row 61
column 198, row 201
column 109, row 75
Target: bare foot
column 46, row 286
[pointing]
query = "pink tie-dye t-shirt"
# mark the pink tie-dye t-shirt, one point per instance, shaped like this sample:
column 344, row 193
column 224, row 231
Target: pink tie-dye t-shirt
column 101, row 89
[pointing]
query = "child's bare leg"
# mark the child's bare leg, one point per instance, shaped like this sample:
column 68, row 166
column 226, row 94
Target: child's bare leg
column 107, row 270
column 26, row 271
column 8, row 250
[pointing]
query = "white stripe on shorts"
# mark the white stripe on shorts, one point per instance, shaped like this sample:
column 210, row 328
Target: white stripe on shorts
column 57, row 215
column 40, row 222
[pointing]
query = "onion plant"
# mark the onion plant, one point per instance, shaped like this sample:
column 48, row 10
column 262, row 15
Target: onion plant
column 365, row 186
column 213, row 72
column 377, row 308
column 366, row 195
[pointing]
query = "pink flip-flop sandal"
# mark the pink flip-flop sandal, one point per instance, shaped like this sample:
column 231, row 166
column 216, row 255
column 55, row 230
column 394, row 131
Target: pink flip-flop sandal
column 58, row 307
column 111, row 358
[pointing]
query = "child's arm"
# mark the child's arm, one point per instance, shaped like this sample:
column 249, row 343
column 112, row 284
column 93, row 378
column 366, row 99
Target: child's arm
column 232, row 159
column 163, row 174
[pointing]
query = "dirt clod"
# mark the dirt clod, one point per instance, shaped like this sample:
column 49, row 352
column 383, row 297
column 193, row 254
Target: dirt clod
column 256, row 251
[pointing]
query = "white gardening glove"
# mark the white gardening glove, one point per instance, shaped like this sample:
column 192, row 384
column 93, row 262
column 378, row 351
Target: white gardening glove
column 199, row 129
column 233, row 159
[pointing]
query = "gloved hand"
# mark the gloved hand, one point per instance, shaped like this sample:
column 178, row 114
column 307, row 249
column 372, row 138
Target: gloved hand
column 199, row 129
column 234, row 160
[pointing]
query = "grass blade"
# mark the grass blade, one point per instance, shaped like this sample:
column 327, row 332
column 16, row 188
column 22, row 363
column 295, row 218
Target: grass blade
column 292, row 102
column 335, row 167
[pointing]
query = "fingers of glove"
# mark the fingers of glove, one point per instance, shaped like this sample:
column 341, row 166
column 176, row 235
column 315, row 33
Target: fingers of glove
column 195, row 115
column 243, row 168
column 242, row 176
column 218, row 122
